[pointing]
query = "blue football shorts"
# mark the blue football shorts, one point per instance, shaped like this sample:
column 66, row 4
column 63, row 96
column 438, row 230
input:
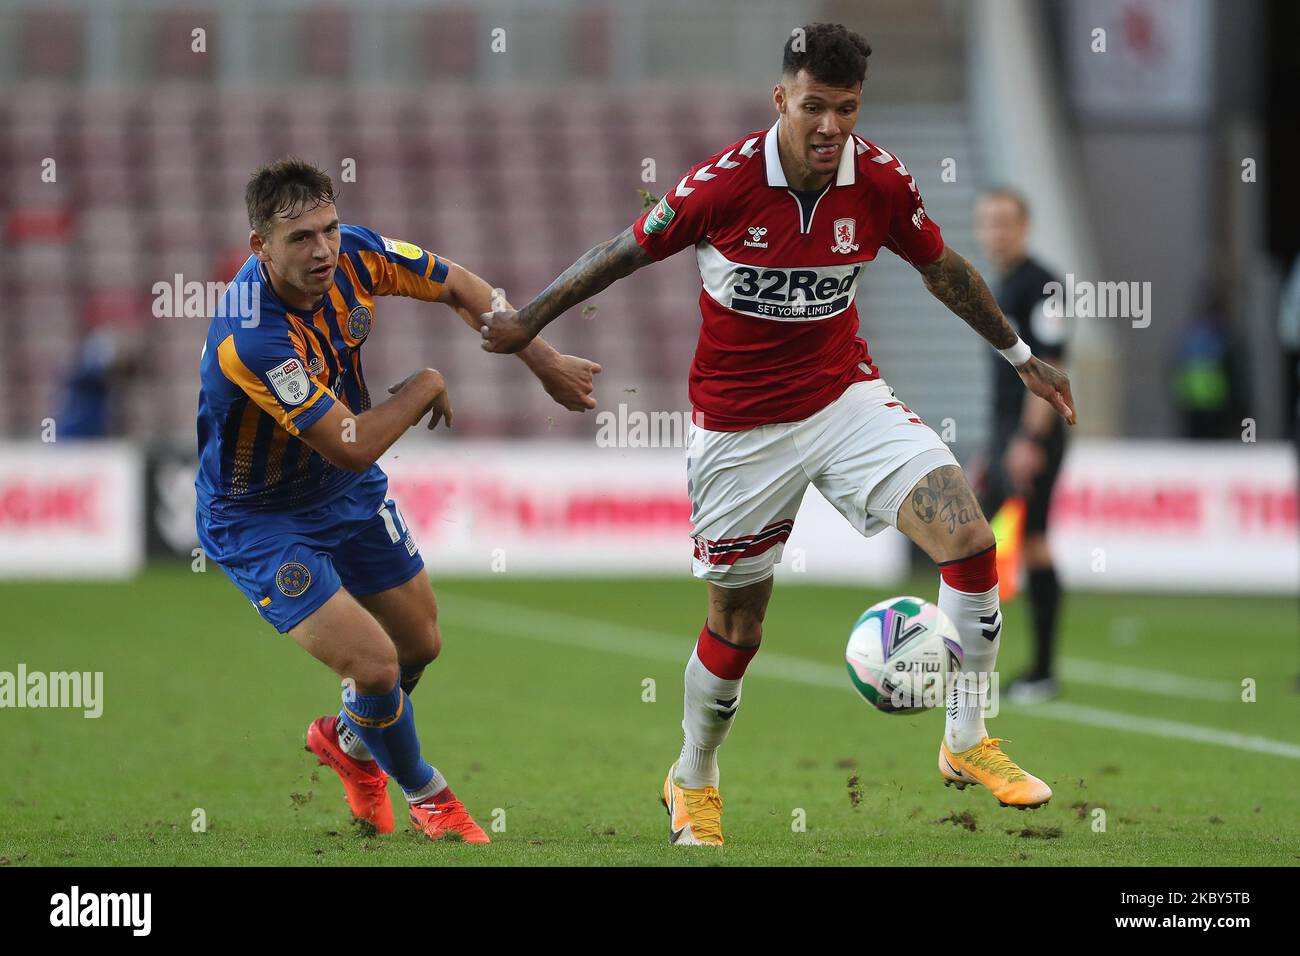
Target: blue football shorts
column 289, row 565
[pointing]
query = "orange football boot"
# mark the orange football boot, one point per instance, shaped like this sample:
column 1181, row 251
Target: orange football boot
column 986, row 764
column 364, row 784
column 694, row 814
column 442, row 815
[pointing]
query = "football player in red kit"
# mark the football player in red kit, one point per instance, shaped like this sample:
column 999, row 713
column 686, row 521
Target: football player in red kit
column 784, row 221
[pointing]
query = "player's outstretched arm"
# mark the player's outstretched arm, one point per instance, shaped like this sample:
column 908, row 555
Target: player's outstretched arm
column 567, row 378
column 505, row 330
column 356, row 442
column 957, row 284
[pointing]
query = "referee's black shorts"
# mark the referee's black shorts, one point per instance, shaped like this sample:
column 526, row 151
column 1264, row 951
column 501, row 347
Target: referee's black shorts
column 998, row 487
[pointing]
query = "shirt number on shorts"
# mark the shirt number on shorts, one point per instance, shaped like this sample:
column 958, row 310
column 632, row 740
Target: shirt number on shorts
column 393, row 522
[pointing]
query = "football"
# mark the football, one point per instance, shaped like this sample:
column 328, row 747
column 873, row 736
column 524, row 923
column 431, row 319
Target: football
column 900, row 654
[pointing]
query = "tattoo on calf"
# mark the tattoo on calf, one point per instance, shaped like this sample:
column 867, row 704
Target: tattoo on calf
column 925, row 502
column 946, row 496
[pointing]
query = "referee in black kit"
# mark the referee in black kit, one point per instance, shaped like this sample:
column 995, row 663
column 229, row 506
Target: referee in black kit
column 1028, row 436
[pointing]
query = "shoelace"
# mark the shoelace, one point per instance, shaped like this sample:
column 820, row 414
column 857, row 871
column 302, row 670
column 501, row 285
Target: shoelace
column 990, row 757
column 456, row 817
column 706, row 813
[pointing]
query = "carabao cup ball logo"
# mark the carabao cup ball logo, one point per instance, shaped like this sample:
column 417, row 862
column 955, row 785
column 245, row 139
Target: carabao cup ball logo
column 292, row 579
column 359, row 323
column 900, row 653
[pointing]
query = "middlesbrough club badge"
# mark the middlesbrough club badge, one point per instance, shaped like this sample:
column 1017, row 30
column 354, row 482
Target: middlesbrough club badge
column 844, row 230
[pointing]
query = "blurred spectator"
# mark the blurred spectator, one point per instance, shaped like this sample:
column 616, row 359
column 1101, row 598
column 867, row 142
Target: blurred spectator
column 1205, row 379
column 104, row 360
column 1028, row 443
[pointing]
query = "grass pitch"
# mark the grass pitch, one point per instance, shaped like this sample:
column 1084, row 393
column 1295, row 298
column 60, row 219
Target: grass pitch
column 555, row 711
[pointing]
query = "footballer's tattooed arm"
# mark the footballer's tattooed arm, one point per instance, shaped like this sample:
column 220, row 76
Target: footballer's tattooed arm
column 947, row 499
column 957, row 284
column 600, row 267
column 566, row 378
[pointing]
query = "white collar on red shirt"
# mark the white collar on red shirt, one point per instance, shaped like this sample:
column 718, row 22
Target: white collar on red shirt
column 776, row 175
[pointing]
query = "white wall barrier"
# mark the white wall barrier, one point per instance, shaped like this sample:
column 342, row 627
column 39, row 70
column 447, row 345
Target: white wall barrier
column 70, row 509
column 1170, row 516
column 1178, row 516
column 560, row 508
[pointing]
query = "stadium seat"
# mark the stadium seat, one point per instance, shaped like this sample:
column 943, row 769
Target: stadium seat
column 514, row 188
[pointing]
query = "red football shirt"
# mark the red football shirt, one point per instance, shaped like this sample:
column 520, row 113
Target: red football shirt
column 779, row 340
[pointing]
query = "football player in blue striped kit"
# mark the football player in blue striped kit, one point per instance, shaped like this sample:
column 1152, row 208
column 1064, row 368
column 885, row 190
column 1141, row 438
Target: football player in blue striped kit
column 291, row 502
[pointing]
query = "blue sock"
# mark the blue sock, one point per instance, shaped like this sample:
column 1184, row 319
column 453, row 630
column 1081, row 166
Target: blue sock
column 386, row 724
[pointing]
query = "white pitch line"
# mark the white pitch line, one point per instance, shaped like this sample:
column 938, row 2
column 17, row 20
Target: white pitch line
column 598, row 634
column 608, row 637
column 1164, row 683
column 1079, row 714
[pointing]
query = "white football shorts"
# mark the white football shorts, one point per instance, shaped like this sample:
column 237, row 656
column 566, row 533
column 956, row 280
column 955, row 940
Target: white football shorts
column 865, row 452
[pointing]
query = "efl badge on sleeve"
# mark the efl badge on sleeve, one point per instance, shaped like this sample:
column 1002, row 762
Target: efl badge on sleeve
column 290, row 382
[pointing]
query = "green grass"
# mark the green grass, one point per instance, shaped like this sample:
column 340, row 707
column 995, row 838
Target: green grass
column 206, row 708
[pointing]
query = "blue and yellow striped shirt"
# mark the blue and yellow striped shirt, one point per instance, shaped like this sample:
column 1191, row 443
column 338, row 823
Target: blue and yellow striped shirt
column 269, row 371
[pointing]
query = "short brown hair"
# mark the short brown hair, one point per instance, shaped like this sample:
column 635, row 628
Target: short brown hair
column 287, row 187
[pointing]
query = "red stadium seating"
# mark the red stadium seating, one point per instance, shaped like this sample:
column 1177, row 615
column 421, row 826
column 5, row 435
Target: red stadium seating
column 150, row 183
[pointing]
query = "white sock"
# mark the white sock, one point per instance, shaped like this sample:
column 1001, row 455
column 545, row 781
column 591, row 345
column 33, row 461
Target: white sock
column 708, row 712
column 351, row 744
column 431, row 789
column 978, row 618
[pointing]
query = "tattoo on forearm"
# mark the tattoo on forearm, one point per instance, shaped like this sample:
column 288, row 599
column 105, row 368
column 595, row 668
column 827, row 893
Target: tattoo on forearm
column 946, row 496
column 957, row 284
column 596, row 270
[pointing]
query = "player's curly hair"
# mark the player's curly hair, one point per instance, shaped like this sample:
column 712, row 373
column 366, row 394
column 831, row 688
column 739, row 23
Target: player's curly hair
column 287, row 186
column 830, row 52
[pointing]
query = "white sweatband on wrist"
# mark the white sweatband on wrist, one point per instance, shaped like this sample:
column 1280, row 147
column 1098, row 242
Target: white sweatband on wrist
column 1017, row 354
